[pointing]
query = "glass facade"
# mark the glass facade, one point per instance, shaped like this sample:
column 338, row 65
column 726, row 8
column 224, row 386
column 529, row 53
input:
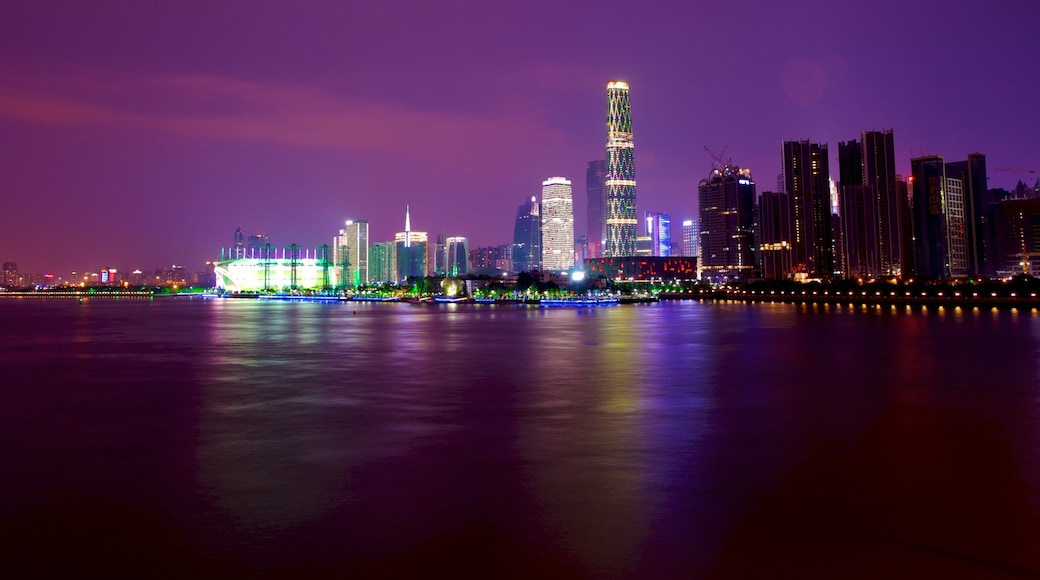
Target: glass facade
column 620, row 180
column 557, row 225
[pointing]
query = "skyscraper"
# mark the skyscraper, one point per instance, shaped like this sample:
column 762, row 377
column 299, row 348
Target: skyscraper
column 690, row 237
column 350, row 254
column 941, row 236
column 457, row 252
column 659, row 228
column 807, row 184
column 775, row 248
column 527, row 237
column 620, row 183
column 411, row 251
column 238, row 250
column 860, row 223
column 727, row 207
column 383, row 262
column 596, row 210
column 557, row 225
column 879, row 174
column 973, row 175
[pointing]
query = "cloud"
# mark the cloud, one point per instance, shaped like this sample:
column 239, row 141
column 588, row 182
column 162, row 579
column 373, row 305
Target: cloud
column 216, row 107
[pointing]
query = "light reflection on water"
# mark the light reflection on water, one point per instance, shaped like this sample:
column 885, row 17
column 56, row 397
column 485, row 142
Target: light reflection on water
column 645, row 440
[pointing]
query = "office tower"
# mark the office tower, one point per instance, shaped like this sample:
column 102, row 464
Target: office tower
column 258, row 246
column 879, row 174
column 411, row 251
column 659, row 228
column 238, row 249
column 726, row 199
column 972, row 173
column 350, row 254
column 1015, row 242
column 557, row 225
column 941, row 234
column 504, row 258
column 382, row 262
column 620, row 180
column 581, row 249
column 440, row 256
column 527, row 237
column 457, row 254
column 860, row 225
column 775, row 246
column 806, row 182
column 596, row 209
column 691, row 237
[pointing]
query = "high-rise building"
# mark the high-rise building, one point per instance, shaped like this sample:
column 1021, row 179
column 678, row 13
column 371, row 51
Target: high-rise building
column 727, row 199
column 382, row 262
column 659, row 228
column 457, row 254
column 774, row 225
column 238, row 249
column 691, row 237
column 557, row 225
column 258, row 245
column 527, row 237
column 596, row 210
column 858, row 210
column 973, row 175
column 879, row 174
column 350, row 254
column 941, row 234
column 411, row 251
column 807, row 184
column 620, row 180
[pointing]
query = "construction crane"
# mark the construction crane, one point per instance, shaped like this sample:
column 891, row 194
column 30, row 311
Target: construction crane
column 1014, row 170
column 718, row 159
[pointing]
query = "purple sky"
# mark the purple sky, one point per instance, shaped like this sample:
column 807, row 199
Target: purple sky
column 141, row 134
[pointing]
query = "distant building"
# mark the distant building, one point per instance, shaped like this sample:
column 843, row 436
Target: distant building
column 941, row 234
column 775, row 247
column 411, row 251
column 1016, row 245
column 255, row 245
column 382, row 262
column 9, row 276
column 972, row 174
column 527, row 237
column 860, row 255
column 621, row 173
column 457, row 252
column 350, row 253
column 807, row 185
column 691, row 236
column 727, row 199
column 596, row 209
column 238, row 248
column 659, row 228
column 557, row 225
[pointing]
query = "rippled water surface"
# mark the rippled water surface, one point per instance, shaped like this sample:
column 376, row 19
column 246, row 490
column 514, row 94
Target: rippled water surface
column 190, row 438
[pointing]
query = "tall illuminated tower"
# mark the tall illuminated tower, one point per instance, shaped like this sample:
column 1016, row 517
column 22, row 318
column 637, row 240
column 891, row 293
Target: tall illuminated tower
column 557, row 225
column 621, row 174
column 350, row 253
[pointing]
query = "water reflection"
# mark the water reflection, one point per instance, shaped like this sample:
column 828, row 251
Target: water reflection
column 669, row 440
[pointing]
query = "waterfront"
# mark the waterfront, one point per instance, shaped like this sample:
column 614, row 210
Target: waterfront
column 221, row 437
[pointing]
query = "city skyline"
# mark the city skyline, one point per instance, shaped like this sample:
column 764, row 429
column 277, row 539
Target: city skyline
column 148, row 133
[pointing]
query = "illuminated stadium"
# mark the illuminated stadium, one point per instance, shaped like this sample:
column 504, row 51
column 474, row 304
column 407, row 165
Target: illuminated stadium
column 275, row 274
